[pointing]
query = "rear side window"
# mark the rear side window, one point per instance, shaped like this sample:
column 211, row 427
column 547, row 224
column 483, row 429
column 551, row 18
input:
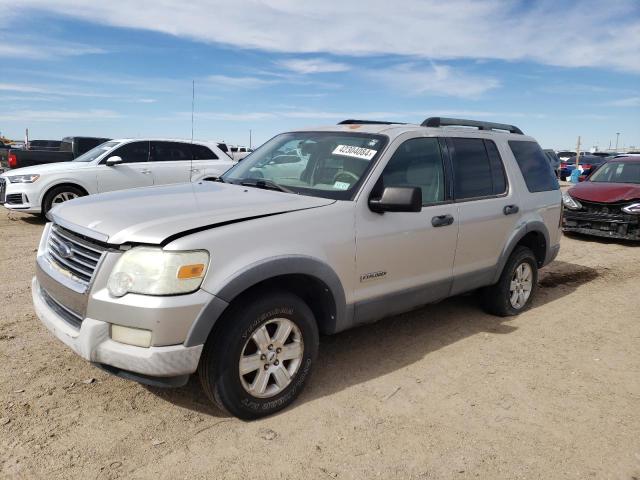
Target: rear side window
column 170, row 151
column 477, row 168
column 200, row 152
column 535, row 168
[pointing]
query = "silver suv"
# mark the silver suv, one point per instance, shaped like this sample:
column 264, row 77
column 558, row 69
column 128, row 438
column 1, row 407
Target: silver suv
column 316, row 232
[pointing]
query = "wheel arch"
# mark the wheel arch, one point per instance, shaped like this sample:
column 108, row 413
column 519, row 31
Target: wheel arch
column 533, row 235
column 60, row 184
column 311, row 279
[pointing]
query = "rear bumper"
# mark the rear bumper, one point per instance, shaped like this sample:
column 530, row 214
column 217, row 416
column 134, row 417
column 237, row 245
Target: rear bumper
column 618, row 226
column 93, row 343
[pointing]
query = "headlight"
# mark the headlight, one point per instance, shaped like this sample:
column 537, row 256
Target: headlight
column 633, row 209
column 570, row 202
column 23, row 178
column 153, row 271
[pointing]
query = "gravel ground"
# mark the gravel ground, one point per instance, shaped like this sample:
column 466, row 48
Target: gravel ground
column 443, row 392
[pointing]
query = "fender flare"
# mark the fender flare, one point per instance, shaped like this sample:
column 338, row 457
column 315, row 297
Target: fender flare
column 258, row 272
column 533, row 226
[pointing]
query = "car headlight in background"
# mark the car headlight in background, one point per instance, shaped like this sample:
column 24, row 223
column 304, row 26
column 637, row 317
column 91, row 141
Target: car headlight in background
column 23, row 178
column 570, row 202
column 633, row 209
column 153, row 271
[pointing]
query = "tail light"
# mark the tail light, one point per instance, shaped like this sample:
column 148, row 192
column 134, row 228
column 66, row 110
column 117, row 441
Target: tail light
column 563, row 164
column 586, row 167
column 13, row 161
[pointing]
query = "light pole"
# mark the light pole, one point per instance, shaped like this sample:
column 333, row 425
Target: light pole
column 617, row 138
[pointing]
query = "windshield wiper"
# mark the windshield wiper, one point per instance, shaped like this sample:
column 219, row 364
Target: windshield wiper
column 265, row 184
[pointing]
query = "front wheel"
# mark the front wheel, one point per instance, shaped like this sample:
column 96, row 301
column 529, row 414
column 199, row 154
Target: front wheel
column 58, row 195
column 259, row 359
column 516, row 287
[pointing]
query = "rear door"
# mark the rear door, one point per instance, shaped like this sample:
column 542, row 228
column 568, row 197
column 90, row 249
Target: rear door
column 131, row 173
column 488, row 210
column 206, row 164
column 170, row 162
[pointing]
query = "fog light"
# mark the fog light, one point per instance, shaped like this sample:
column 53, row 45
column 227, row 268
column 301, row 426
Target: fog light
column 131, row 336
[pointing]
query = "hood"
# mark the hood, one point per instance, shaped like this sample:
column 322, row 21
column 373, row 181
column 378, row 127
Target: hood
column 602, row 192
column 45, row 168
column 151, row 215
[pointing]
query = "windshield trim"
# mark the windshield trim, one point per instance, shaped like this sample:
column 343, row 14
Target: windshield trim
column 312, row 192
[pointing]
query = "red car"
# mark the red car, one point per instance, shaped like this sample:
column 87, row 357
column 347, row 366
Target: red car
column 607, row 203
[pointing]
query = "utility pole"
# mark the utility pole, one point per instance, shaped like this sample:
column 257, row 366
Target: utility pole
column 617, row 138
column 249, row 138
column 578, row 152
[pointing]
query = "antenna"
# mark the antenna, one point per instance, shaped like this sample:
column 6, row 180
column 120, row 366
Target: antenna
column 193, row 101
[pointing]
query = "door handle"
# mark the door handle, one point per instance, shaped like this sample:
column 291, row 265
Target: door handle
column 146, row 172
column 442, row 220
column 510, row 209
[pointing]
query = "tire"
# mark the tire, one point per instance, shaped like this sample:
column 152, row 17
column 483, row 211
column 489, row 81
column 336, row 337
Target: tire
column 58, row 193
column 498, row 298
column 252, row 316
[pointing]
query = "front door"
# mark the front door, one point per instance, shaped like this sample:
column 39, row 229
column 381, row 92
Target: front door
column 133, row 172
column 405, row 260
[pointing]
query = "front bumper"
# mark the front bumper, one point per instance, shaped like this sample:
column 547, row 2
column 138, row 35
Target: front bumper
column 21, row 197
column 616, row 225
column 93, row 343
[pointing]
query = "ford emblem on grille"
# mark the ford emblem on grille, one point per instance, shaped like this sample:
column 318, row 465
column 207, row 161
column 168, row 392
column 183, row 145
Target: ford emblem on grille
column 65, row 250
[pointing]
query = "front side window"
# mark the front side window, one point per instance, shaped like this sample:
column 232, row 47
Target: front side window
column 617, row 172
column 534, row 166
column 324, row 164
column 170, row 151
column 417, row 163
column 94, row 153
column 477, row 168
column 134, row 152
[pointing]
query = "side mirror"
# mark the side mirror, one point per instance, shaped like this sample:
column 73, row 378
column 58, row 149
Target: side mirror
column 113, row 161
column 398, row 199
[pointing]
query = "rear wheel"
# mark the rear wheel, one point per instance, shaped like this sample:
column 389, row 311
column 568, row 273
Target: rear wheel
column 512, row 294
column 59, row 195
column 259, row 359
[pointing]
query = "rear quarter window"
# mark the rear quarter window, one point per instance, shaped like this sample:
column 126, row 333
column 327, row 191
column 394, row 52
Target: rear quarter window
column 538, row 174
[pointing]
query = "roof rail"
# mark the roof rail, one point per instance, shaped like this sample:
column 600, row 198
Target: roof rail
column 367, row 122
column 458, row 122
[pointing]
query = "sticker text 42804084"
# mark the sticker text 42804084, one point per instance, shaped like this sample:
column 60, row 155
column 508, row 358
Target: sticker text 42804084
column 356, row 152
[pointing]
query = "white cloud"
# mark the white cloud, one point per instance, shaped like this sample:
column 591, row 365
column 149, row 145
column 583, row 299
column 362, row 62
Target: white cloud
column 13, row 87
column 313, row 65
column 45, row 50
column 58, row 115
column 624, row 102
column 237, row 82
column 412, row 79
column 586, row 33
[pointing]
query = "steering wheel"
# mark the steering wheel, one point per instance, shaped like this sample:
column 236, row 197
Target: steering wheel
column 346, row 176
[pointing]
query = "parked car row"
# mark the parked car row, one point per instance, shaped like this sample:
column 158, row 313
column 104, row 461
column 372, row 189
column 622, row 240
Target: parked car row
column 113, row 165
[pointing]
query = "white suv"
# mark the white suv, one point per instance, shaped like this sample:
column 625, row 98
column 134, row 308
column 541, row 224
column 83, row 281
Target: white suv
column 316, row 232
column 113, row 165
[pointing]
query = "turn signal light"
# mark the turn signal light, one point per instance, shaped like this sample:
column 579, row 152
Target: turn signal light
column 187, row 272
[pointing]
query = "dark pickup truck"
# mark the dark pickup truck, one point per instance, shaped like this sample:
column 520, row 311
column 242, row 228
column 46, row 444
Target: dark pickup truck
column 70, row 148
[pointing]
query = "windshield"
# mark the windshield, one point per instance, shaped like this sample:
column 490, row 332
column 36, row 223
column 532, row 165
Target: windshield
column 96, row 152
column 323, row 164
column 617, row 172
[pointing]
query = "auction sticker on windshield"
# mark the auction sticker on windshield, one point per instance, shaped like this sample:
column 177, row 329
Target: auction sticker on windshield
column 356, row 152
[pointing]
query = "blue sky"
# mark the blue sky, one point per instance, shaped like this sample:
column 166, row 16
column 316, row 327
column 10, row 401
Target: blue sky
column 557, row 69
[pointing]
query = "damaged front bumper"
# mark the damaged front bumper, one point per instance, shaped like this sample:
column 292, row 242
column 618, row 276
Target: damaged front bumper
column 608, row 225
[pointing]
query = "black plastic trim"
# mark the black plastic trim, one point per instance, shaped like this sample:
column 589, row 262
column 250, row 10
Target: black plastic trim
column 460, row 122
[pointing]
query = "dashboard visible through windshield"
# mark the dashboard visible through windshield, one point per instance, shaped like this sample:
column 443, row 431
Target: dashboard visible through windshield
column 323, row 164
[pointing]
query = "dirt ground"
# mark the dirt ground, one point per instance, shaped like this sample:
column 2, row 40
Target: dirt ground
column 444, row 392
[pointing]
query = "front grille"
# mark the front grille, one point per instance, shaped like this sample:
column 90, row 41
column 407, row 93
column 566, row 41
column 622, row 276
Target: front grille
column 76, row 256
column 14, row 199
column 3, row 190
column 603, row 208
column 63, row 312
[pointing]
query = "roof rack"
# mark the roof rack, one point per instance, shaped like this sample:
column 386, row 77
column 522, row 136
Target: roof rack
column 368, row 122
column 458, row 122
